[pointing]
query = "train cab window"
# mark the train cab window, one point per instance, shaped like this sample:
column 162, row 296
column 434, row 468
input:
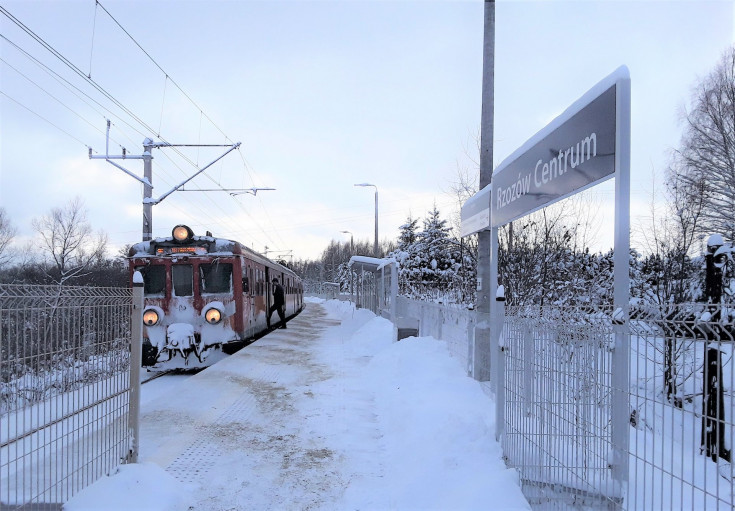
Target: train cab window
column 216, row 278
column 182, row 278
column 154, row 280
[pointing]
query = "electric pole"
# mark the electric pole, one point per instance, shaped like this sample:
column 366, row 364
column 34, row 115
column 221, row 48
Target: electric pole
column 486, row 249
column 147, row 180
column 147, row 190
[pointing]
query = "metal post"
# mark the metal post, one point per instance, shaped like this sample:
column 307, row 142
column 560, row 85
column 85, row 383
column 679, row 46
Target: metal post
column 485, row 285
column 147, row 190
column 499, row 375
column 621, row 260
column 393, row 291
column 375, row 246
column 136, row 347
column 713, row 407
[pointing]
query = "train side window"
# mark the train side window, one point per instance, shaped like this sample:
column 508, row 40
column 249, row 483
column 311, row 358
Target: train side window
column 216, row 278
column 154, row 279
column 182, row 277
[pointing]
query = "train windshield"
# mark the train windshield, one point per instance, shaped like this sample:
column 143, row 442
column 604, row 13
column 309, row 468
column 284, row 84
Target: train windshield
column 182, row 278
column 154, row 279
column 215, row 278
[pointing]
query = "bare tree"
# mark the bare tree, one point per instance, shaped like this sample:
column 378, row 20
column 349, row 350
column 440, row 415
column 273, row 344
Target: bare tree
column 7, row 233
column 68, row 240
column 707, row 150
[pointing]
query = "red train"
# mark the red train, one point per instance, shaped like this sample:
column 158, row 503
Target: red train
column 205, row 297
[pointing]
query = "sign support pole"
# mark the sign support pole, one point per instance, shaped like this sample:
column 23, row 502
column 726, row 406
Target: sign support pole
column 621, row 281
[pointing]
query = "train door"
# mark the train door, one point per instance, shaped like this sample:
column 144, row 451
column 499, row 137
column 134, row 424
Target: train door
column 268, row 295
column 252, row 286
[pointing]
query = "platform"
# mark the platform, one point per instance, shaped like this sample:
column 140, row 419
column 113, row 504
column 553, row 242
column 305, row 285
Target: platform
column 251, row 425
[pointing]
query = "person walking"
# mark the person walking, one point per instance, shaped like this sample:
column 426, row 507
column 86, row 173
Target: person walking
column 279, row 304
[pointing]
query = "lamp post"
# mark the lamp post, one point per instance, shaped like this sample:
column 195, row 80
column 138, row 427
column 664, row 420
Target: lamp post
column 375, row 245
column 352, row 242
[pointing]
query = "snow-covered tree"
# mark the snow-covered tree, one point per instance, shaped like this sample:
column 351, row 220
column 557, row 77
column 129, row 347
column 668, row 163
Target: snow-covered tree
column 407, row 235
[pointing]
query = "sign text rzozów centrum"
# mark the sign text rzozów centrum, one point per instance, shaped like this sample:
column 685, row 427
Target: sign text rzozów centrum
column 577, row 153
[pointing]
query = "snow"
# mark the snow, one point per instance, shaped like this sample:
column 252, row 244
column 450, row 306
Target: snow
column 139, row 486
column 715, row 240
column 385, row 425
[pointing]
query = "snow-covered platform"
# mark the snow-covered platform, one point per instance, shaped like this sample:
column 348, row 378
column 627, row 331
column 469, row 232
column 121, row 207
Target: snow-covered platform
column 326, row 414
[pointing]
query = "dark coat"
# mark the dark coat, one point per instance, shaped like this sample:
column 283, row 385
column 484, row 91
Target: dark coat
column 279, row 298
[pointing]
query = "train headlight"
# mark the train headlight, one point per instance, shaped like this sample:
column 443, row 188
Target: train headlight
column 213, row 316
column 150, row 317
column 182, row 233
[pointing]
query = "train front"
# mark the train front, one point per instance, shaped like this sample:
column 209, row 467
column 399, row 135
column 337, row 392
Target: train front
column 190, row 285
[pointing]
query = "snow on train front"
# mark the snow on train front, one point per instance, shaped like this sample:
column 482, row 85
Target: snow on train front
column 193, row 288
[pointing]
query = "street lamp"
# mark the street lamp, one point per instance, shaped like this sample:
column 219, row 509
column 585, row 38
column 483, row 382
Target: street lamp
column 251, row 191
column 352, row 243
column 375, row 245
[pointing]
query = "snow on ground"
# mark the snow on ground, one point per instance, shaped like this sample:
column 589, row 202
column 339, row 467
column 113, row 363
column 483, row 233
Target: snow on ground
column 361, row 423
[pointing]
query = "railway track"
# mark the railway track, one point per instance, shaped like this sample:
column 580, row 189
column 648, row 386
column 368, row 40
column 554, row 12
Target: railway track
column 156, row 375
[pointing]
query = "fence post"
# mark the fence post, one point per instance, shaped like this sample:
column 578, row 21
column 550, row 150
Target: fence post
column 136, row 347
column 471, row 344
column 499, row 375
column 620, row 412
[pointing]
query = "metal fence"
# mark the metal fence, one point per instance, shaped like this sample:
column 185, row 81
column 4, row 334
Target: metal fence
column 65, row 373
column 562, row 402
column 556, row 413
column 600, row 413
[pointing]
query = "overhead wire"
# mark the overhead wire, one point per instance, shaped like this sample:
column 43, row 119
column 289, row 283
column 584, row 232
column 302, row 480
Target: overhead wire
column 67, row 84
column 91, row 50
column 160, row 68
column 168, row 78
column 79, row 72
column 51, row 95
column 43, row 118
column 115, row 101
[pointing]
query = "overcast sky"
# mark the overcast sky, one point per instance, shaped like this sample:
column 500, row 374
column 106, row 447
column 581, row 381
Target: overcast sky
column 322, row 95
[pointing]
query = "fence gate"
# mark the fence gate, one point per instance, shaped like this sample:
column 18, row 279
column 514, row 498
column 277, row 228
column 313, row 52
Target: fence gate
column 557, row 368
column 64, row 390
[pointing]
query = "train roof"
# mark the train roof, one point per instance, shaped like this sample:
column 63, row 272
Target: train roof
column 209, row 247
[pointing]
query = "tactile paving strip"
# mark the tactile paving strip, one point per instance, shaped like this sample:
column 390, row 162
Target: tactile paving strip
column 197, row 459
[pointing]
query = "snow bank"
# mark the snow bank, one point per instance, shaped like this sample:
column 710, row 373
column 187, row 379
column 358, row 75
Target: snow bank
column 143, row 487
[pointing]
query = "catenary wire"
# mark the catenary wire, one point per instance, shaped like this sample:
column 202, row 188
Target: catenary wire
column 43, row 118
column 108, row 95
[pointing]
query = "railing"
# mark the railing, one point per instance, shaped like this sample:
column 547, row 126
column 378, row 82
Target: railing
column 64, row 390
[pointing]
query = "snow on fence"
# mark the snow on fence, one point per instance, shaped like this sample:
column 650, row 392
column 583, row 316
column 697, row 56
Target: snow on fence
column 64, row 390
column 556, row 381
column 559, row 400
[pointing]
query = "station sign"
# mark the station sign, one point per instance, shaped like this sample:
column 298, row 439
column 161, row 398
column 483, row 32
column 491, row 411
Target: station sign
column 475, row 212
column 573, row 152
